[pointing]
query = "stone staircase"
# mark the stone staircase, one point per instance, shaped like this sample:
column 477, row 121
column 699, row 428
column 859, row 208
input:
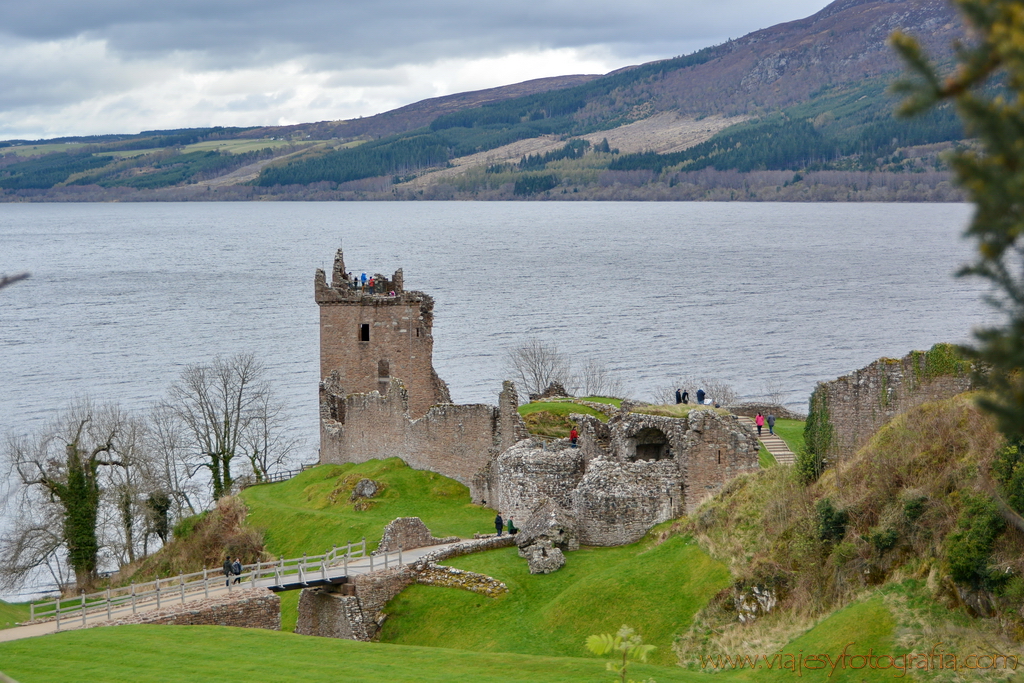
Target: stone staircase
column 773, row 444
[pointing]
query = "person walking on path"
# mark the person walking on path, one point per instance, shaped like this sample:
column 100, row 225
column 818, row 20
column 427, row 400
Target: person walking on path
column 228, row 570
column 573, row 437
column 499, row 523
column 237, row 569
column 759, row 421
column 771, row 424
column 686, row 397
column 700, row 397
column 679, row 397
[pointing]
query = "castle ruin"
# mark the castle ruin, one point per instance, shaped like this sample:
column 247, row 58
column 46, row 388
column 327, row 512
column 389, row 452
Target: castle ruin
column 381, row 398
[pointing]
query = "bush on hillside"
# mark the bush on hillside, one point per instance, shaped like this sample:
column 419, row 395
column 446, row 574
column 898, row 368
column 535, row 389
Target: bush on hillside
column 202, row 541
column 1008, row 468
column 969, row 547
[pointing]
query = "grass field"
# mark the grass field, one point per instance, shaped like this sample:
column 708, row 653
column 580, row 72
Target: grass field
column 50, row 148
column 12, row 614
column 169, row 654
column 656, row 589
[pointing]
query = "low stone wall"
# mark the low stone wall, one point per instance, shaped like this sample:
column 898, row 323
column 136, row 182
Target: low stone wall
column 243, row 608
column 450, row 577
column 751, row 409
column 408, row 533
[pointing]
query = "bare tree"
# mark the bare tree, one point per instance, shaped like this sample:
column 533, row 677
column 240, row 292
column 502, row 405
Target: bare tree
column 535, row 364
column 774, row 390
column 593, row 378
column 265, row 442
column 227, row 410
column 61, row 485
column 172, row 472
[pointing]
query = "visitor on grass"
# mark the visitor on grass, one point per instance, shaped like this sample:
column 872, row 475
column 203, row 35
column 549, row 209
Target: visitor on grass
column 499, row 523
column 686, row 397
column 700, row 396
column 512, row 530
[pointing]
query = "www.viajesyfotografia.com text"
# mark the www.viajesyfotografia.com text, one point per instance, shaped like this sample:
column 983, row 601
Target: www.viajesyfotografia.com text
column 799, row 664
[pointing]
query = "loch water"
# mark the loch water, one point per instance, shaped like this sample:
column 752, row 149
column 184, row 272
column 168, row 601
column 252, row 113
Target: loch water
column 123, row 296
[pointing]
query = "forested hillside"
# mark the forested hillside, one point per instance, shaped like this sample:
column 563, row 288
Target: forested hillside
column 808, row 100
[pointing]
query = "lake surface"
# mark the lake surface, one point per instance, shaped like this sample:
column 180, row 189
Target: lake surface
column 123, row 296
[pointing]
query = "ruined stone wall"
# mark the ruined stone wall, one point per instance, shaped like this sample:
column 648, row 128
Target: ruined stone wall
column 714, row 449
column 529, row 472
column 454, row 440
column 408, row 533
column 847, row 411
column 457, row 441
column 242, row 608
column 618, row 502
column 628, row 474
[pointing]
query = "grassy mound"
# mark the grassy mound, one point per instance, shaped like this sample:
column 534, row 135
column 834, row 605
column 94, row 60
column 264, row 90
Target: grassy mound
column 656, row 588
column 202, row 541
column 169, row 654
column 551, row 418
column 313, row 511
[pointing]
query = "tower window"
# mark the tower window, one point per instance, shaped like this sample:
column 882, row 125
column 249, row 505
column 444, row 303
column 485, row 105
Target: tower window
column 364, row 332
column 419, row 331
column 383, row 368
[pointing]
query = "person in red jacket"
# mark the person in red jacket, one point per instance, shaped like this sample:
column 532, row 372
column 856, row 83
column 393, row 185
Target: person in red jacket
column 759, row 421
column 573, row 436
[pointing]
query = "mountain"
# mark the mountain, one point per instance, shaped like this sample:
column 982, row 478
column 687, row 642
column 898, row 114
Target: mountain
column 795, row 111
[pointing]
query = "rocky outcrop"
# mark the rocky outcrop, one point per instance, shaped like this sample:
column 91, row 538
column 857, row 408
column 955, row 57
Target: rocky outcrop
column 543, row 559
column 365, row 488
column 549, row 525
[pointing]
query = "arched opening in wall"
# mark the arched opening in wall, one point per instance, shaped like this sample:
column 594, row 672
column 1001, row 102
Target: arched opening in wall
column 650, row 443
column 383, row 369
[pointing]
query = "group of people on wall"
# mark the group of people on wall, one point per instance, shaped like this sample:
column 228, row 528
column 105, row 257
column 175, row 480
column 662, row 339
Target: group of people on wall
column 683, row 397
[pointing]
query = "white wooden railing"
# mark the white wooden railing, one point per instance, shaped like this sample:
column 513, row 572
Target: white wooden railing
column 130, row 599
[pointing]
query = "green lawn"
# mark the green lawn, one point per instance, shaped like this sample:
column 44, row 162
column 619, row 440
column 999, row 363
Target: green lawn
column 560, row 408
column 655, row 589
column 168, row 654
column 792, row 432
column 12, row 614
column 312, row 511
column 764, row 458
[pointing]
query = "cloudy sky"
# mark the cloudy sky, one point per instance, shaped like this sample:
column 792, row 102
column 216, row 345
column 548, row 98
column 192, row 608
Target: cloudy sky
column 80, row 67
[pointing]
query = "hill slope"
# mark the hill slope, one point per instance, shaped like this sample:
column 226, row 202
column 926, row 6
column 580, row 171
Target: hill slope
column 812, row 93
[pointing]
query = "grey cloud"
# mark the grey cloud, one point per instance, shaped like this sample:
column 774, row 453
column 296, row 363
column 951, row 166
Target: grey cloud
column 388, row 32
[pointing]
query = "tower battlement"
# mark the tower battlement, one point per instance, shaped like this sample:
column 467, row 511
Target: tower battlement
column 370, row 335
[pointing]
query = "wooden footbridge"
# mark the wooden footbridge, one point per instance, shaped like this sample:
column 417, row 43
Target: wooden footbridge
column 336, row 566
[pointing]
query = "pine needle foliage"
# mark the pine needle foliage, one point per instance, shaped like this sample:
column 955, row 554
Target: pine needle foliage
column 987, row 88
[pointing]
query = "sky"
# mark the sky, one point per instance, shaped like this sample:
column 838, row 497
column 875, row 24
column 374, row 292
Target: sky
column 87, row 67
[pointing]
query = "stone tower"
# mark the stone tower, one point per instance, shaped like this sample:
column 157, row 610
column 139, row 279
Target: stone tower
column 369, row 336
